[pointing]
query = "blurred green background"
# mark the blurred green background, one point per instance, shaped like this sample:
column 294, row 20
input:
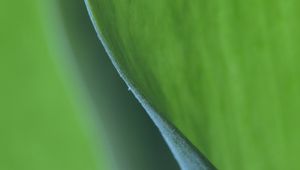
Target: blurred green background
column 62, row 104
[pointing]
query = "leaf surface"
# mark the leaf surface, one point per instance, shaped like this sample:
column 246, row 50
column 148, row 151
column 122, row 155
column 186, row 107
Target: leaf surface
column 224, row 73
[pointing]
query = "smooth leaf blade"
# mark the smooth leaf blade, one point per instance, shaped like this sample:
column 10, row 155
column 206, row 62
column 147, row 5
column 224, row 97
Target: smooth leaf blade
column 223, row 72
column 42, row 125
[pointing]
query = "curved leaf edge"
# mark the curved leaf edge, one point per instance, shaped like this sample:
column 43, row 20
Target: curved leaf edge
column 186, row 154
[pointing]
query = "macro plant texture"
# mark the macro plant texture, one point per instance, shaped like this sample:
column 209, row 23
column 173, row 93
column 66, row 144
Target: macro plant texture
column 149, row 84
column 62, row 104
column 224, row 73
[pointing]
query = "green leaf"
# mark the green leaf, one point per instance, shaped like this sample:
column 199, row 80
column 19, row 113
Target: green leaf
column 115, row 109
column 42, row 121
column 225, row 73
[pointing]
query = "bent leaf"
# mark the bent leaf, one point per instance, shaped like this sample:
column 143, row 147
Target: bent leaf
column 225, row 73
